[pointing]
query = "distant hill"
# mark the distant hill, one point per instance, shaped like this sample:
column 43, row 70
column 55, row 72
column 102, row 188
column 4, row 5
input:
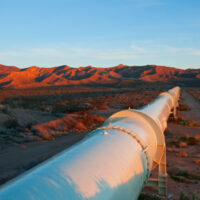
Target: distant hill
column 5, row 70
column 14, row 77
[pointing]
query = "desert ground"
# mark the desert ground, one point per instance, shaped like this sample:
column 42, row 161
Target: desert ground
column 36, row 124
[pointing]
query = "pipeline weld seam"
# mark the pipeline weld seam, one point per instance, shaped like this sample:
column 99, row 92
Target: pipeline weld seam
column 138, row 140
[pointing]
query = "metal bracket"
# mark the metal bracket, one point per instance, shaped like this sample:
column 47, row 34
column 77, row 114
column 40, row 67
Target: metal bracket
column 161, row 181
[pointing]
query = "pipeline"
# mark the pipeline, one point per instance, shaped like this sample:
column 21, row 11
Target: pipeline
column 112, row 162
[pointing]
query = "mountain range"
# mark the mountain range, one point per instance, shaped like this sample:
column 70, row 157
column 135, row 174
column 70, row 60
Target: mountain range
column 14, row 77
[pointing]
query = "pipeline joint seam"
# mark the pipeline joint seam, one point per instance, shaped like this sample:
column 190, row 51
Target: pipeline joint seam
column 137, row 139
column 174, row 100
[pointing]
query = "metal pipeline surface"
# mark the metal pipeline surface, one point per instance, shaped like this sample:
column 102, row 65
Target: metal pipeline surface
column 112, row 162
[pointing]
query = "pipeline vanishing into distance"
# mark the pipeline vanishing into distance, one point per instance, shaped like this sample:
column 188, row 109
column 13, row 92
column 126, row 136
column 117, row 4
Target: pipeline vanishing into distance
column 112, row 162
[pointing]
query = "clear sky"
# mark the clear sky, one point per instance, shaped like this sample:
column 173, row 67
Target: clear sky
column 101, row 33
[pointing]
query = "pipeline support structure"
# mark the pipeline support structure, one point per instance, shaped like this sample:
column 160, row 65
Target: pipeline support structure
column 112, row 162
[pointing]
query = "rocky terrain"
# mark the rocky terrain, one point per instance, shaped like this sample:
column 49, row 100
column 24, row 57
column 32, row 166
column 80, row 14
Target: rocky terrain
column 13, row 77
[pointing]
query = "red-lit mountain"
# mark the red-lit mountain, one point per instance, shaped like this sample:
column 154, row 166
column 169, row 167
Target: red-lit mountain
column 64, row 75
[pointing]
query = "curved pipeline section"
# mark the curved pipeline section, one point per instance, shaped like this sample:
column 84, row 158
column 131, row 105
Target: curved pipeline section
column 112, row 162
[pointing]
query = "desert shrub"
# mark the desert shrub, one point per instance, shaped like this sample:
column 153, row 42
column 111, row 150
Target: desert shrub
column 29, row 125
column 5, row 109
column 59, row 108
column 183, row 107
column 183, row 196
column 176, row 119
column 195, row 196
column 11, row 123
column 185, row 174
column 103, row 107
column 99, row 103
column 189, row 123
column 46, row 108
column 182, row 121
column 193, row 123
column 178, row 179
column 23, row 102
column 189, row 140
column 70, row 107
column 179, row 175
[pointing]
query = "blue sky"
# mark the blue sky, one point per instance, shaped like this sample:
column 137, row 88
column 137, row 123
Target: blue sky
column 101, row 33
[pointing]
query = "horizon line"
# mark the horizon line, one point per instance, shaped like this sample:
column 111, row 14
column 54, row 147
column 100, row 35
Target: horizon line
column 99, row 66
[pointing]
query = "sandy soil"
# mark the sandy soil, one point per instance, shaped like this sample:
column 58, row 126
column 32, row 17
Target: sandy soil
column 194, row 104
column 26, row 116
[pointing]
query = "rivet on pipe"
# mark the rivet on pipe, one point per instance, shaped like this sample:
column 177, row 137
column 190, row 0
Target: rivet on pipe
column 105, row 133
